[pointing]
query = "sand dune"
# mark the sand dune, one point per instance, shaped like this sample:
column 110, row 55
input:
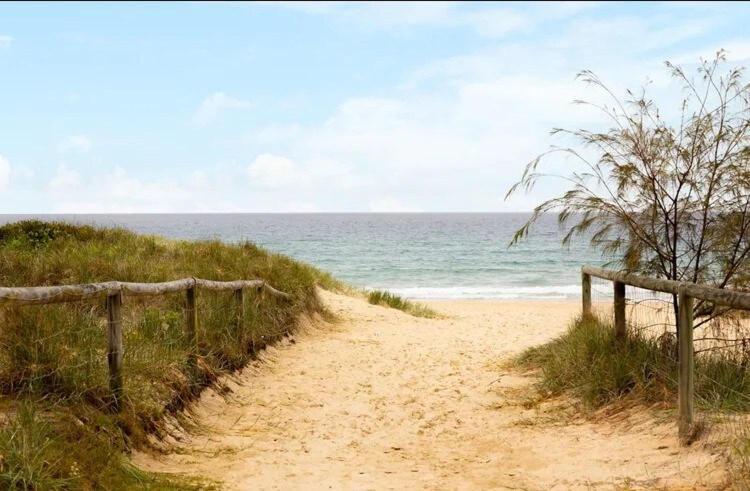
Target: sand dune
column 383, row 400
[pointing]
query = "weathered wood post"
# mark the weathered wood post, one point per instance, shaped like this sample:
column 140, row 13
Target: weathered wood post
column 239, row 300
column 687, row 364
column 619, row 288
column 114, row 347
column 586, row 293
column 191, row 326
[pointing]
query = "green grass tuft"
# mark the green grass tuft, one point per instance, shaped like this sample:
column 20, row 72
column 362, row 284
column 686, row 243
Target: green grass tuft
column 29, row 455
column 59, row 429
column 588, row 362
column 388, row 299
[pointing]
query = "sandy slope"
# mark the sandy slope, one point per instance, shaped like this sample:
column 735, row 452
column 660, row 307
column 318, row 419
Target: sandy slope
column 384, row 400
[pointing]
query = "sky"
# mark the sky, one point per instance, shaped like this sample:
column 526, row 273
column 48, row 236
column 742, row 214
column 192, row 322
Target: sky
column 318, row 107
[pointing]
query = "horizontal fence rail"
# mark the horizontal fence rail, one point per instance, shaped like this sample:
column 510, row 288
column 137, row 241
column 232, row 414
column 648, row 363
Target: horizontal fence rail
column 685, row 293
column 719, row 296
column 114, row 292
column 39, row 295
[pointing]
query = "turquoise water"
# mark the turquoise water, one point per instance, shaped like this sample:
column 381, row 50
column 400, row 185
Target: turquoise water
column 420, row 255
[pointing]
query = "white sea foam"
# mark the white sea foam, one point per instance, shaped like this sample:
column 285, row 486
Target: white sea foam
column 491, row 291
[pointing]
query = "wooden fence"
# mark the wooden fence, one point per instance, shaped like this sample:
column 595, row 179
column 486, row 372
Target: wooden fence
column 114, row 291
column 685, row 292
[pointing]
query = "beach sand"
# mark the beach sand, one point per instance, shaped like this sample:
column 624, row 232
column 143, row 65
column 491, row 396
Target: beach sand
column 384, row 400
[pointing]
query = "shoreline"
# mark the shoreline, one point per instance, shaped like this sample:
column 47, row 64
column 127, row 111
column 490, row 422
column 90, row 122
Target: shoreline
column 429, row 292
column 445, row 301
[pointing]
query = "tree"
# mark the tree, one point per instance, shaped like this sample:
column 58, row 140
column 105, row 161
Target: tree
column 666, row 199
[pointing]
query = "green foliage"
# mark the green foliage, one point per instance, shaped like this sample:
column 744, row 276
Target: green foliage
column 55, row 450
column 589, row 363
column 53, row 357
column 29, row 458
column 660, row 196
column 388, row 299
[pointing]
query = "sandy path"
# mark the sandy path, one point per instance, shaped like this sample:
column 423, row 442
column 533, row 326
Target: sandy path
column 383, row 400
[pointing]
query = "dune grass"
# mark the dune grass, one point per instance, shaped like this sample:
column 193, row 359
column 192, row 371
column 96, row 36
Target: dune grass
column 589, row 363
column 388, row 299
column 57, row 428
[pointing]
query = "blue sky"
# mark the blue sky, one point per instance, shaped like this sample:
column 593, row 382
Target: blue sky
column 316, row 107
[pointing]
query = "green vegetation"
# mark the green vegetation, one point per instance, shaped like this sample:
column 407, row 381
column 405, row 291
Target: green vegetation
column 388, row 299
column 663, row 190
column 588, row 362
column 664, row 197
column 57, row 428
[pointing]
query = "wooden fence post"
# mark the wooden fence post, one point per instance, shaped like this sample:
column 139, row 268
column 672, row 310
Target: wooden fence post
column 239, row 300
column 586, row 293
column 686, row 358
column 191, row 325
column 114, row 347
column 620, row 328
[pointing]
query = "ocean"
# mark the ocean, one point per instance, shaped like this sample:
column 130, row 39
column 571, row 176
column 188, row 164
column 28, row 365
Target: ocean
column 417, row 255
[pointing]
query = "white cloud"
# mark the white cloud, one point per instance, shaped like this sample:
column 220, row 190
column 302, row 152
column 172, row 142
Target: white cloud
column 5, row 40
column 122, row 186
column 383, row 14
column 210, row 188
column 66, row 180
column 5, row 170
column 489, row 22
column 274, row 133
column 117, row 191
column 737, row 50
column 274, row 172
column 216, row 104
column 390, row 204
column 417, row 136
column 631, row 34
column 449, row 134
column 198, row 179
column 77, row 144
column 496, row 23
column 23, row 172
column 457, row 132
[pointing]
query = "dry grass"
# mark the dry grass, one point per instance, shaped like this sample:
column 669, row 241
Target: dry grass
column 62, row 432
column 588, row 362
